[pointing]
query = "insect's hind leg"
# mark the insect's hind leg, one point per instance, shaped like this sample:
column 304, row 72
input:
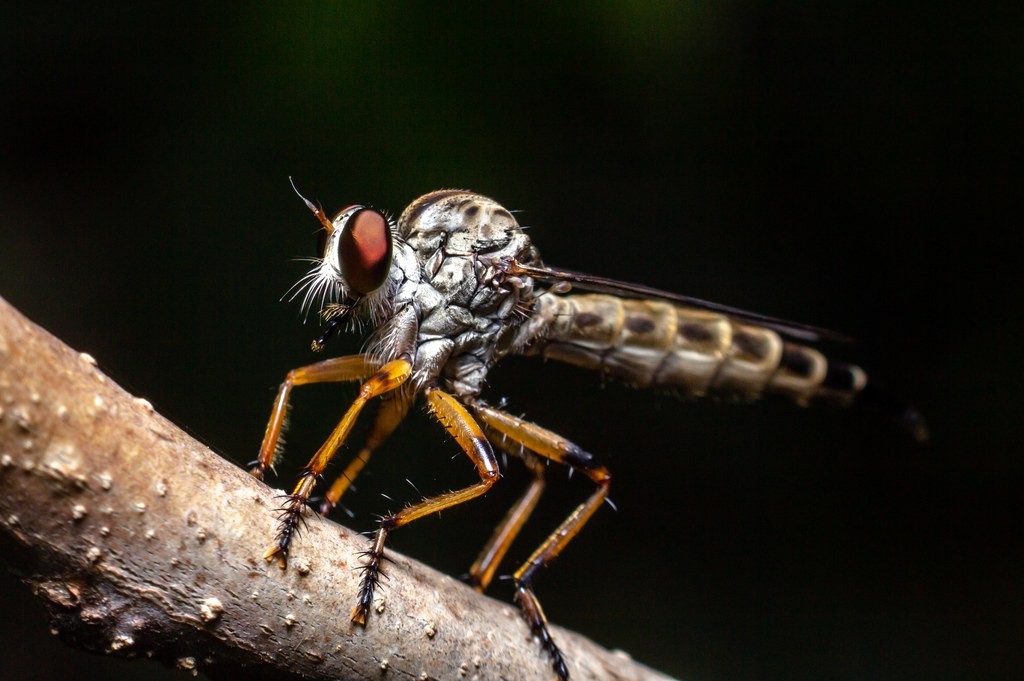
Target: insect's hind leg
column 388, row 418
column 336, row 369
column 551, row 446
column 388, row 378
column 482, row 571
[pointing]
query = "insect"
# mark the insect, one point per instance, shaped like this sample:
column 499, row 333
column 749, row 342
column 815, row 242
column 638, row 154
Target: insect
column 456, row 285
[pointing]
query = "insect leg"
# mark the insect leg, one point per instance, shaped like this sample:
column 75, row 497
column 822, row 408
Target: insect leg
column 458, row 422
column 482, row 571
column 349, row 368
column 388, row 417
column 551, row 446
column 390, row 376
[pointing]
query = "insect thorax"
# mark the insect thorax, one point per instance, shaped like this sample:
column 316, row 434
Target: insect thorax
column 465, row 314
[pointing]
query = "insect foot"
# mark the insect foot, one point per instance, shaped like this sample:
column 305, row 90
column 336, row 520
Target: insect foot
column 257, row 469
column 530, row 606
column 372, row 572
column 290, row 520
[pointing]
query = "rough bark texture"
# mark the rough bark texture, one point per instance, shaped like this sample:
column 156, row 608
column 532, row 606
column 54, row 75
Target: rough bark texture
column 141, row 541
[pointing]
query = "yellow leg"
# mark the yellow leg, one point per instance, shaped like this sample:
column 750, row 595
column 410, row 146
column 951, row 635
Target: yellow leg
column 482, row 571
column 388, row 418
column 454, row 417
column 350, row 368
column 555, row 447
column 389, row 377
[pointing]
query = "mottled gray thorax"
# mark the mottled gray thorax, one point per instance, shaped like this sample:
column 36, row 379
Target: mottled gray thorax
column 451, row 305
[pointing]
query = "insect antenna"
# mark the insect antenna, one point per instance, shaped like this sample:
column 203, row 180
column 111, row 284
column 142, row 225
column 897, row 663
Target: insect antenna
column 317, row 211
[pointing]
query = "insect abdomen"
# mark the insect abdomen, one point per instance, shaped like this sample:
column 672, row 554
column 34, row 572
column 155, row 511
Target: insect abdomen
column 650, row 343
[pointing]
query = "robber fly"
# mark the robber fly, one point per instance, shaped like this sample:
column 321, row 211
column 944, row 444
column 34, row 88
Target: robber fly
column 455, row 286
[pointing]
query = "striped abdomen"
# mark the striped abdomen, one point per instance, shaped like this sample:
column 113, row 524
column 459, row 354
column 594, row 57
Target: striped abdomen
column 650, row 343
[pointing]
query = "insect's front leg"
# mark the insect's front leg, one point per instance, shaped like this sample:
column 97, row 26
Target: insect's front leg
column 336, row 369
column 389, row 377
column 388, row 418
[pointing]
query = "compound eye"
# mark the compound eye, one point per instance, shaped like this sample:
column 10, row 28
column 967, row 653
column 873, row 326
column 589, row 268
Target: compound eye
column 365, row 250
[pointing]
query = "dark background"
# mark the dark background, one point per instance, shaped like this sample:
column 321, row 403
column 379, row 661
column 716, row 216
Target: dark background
column 845, row 165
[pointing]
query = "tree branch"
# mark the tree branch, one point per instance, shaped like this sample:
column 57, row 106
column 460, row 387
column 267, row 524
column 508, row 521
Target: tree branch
column 142, row 541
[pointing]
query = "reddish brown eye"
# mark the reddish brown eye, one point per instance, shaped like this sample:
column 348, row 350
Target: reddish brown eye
column 365, row 250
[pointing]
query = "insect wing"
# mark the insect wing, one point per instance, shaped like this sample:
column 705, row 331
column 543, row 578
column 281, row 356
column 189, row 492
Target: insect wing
column 589, row 282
